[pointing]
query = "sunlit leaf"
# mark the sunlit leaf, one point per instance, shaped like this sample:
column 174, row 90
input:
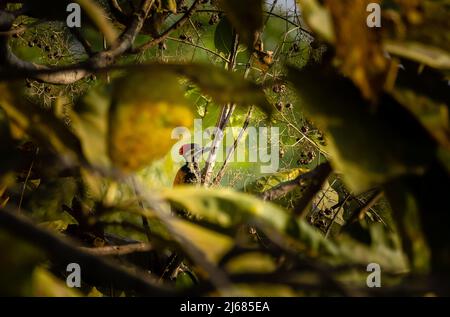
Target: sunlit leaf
column 214, row 245
column 318, row 18
column 421, row 53
column 223, row 86
column 18, row 261
column 382, row 250
column 230, row 209
column 268, row 182
column 46, row 284
column 251, row 263
column 266, row 290
column 89, row 121
column 142, row 118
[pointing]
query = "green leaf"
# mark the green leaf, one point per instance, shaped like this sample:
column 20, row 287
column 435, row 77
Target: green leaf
column 421, row 53
column 246, row 17
column 253, row 262
column 17, row 263
column 47, row 200
column 170, row 5
column 142, row 117
column 223, row 86
column 423, row 22
column 213, row 245
column 424, row 92
column 327, row 198
column 40, row 124
column 268, row 182
column 230, row 209
column 223, row 37
column 184, row 280
column 368, row 147
column 385, row 249
column 407, row 216
column 46, row 284
column 318, row 18
column 90, row 124
column 7, row 150
column 265, row 290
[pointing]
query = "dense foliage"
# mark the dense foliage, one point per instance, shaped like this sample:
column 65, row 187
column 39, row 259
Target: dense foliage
column 87, row 165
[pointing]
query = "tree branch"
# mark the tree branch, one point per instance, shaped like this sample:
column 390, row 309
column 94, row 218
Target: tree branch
column 12, row 64
column 63, row 250
column 222, row 170
column 224, row 118
column 172, row 28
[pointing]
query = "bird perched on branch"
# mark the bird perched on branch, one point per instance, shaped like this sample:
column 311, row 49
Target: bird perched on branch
column 189, row 173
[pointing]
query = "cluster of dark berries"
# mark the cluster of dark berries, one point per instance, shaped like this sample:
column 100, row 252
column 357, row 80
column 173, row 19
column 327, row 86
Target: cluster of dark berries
column 306, row 158
column 185, row 37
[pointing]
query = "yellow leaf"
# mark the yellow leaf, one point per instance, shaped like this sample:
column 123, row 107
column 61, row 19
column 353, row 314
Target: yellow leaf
column 142, row 132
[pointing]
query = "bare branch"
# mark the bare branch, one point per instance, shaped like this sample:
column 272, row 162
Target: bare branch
column 222, row 170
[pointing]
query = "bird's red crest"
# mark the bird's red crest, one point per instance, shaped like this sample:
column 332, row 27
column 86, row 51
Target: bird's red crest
column 185, row 148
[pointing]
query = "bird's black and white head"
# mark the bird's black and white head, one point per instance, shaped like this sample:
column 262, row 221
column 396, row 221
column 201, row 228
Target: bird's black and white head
column 191, row 152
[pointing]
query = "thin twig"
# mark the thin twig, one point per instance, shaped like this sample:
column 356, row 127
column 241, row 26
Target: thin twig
column 318, row 177
column 222, row 121
column 374, row 198
column 200, row 47
column 22, row 194
column 172, row 28
column 141, row 205
column 237, row 140
column 337, row 207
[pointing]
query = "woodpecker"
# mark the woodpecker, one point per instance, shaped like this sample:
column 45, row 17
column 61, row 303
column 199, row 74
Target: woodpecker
column 189, row 173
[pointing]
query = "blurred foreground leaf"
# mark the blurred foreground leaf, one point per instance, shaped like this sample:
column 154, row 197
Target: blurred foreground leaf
column 246, row 17
column 142, row 118
column 230, row 209
column 369, row 148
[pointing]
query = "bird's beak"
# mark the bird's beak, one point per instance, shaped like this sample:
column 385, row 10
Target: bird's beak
column 206, row 149
column 202, row 150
